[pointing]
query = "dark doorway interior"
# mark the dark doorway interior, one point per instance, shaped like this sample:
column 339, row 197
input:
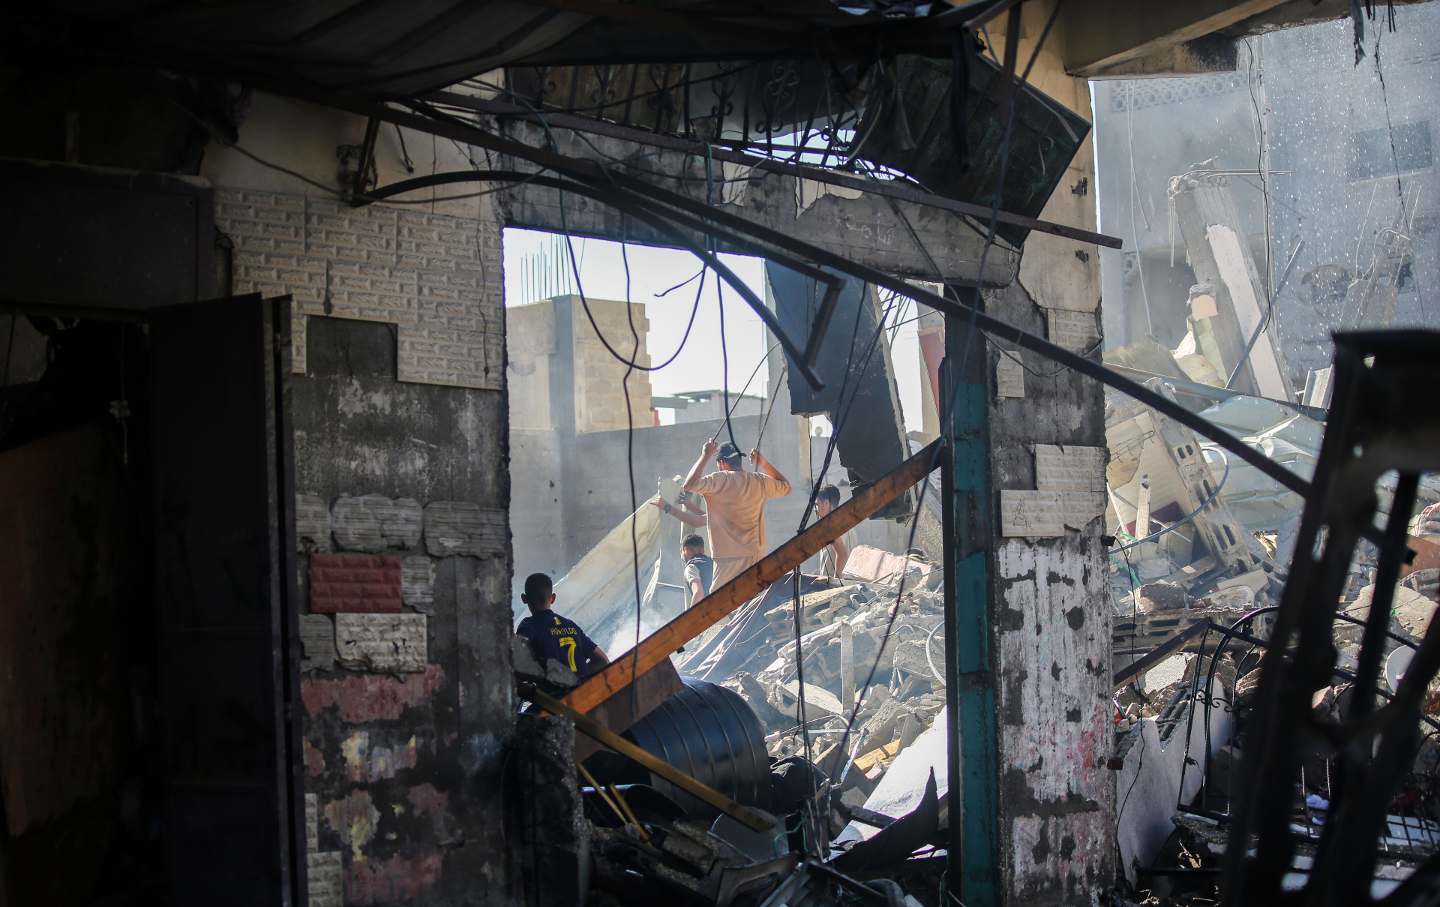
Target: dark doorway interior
column 144, row 745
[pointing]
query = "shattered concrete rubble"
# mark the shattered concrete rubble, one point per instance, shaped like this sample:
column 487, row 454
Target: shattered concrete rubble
column 1182, row 725
column 846, row 630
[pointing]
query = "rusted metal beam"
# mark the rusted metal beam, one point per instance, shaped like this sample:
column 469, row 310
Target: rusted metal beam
column 617, row 675
column 592, row 728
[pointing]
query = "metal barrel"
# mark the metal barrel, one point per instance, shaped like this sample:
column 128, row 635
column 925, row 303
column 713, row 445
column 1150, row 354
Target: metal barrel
column 709, row 733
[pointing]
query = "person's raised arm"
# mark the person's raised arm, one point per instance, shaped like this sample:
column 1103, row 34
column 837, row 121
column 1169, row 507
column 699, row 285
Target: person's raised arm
column 842, row 554
column 681, row 512
column 707, row 453
column 765, row 466
column 684, row 514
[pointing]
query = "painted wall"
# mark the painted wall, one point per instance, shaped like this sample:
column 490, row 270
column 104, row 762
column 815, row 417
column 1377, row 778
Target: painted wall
column 401, row 460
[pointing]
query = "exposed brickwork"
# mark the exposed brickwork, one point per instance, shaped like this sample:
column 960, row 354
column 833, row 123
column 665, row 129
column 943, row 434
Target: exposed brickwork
column 354, row 584
column 437, row 278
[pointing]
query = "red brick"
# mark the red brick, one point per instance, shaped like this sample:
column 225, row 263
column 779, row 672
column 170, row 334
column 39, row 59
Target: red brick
column 354, row 584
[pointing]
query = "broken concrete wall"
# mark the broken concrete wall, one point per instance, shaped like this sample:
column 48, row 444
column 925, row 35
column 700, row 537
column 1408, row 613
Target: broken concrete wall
column 400, row 450
column 560, row 375
column 1051, row 618
column 1156, row 778
column 1052, row 622
column 1332, row 178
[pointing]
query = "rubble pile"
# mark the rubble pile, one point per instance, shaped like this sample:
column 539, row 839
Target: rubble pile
column 1197, row 707
column 847, row 630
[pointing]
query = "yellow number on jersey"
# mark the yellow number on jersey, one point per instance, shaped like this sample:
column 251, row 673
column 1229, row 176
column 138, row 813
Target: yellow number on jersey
column 568, row 644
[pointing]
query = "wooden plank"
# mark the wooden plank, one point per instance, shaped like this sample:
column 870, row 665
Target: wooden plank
column 620, row 712
column 588, row 726
column 617, row 675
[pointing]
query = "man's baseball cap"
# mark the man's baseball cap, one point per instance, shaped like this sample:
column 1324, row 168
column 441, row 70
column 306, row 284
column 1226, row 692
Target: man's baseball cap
column 728, row 451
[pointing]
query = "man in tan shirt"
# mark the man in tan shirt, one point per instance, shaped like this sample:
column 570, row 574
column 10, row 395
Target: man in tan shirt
column 735, row 506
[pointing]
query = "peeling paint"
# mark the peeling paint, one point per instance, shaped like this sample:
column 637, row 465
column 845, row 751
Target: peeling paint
column 314, row 760
column 427, row 801
column 1057, row 805
column 354, row 400
column 354, row 820
column 364, row 762
column 371, row 697
column 393, row 880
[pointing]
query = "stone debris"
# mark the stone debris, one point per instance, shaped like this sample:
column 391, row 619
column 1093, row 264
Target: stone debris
column 844, row 636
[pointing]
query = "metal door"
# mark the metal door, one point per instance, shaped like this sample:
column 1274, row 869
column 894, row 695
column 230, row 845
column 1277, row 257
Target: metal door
column 223, row 578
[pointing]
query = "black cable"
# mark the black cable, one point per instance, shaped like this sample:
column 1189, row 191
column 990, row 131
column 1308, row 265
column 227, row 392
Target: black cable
column 720, row 302
column 405, row 153
column 630, row 467
column 894, row 612
column 725, row 367
column 600, row 108
column 666, row 292
column 1250, row 79
column 627, row 163
column 1140, row 765
column 843, row 414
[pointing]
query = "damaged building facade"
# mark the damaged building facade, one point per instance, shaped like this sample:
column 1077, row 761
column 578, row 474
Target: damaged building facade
column 262, row 449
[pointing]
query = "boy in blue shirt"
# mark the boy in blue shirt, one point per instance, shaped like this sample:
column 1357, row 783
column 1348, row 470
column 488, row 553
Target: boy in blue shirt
column 553, row 637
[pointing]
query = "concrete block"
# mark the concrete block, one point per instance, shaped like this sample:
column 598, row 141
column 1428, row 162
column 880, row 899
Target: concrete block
column 375, row 523
column 312, row 523
column 1009, row 377
column 1069, row 468
column 355, row 584
column 456, row 527
column 325, row 878
column 317, row 643
column 417, row 582
column 381, row 642
column 1031, row 514
column 1075, row 331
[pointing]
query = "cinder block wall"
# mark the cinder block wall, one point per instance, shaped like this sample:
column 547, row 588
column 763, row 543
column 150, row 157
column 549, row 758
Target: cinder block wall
column 435, row 277
column 401, row 473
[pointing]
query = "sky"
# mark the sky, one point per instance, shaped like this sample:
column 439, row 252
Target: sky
column 537, row 266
